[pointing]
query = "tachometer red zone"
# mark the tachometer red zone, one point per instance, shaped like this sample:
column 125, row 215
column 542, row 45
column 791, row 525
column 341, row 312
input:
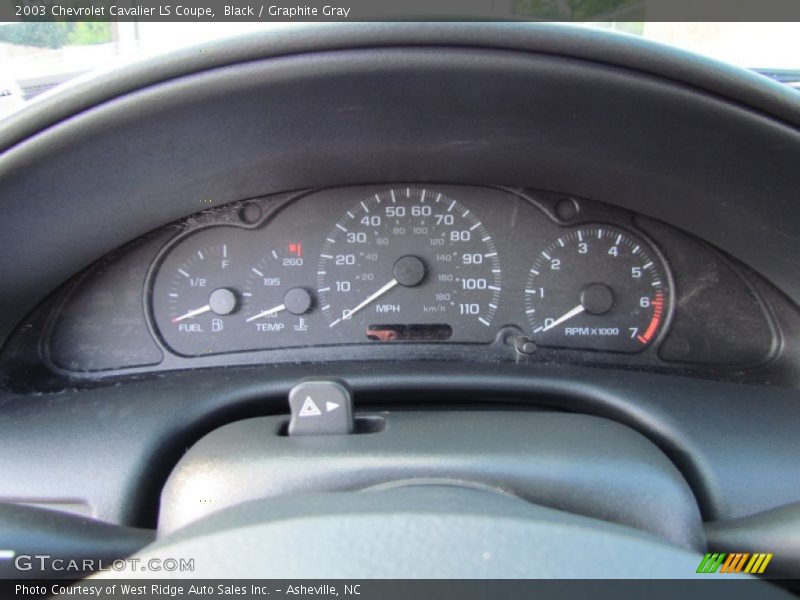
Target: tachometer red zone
column 658, row 312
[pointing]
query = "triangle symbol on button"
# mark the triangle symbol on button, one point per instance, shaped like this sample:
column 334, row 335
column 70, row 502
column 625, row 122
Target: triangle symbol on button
column 309, row 408
column 329, row 406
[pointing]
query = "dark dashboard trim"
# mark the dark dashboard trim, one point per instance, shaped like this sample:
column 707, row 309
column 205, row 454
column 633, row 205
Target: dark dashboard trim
column 745, row 87
column 697, row 423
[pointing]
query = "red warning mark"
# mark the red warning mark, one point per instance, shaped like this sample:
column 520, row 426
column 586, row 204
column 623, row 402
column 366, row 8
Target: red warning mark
column 658, row 305
column 296, row 248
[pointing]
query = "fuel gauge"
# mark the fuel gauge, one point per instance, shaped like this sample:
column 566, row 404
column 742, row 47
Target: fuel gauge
column 197, row 295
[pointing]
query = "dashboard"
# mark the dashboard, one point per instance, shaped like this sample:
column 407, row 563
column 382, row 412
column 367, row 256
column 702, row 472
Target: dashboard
column 569, row 228
column 409, row 271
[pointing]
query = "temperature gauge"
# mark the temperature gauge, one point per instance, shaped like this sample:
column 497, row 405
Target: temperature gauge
column 275, row 298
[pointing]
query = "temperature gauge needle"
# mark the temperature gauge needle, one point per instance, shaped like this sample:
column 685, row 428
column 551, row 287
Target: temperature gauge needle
column 565, row 317
column 268, row 312
column 349, row 313
column 193, row 313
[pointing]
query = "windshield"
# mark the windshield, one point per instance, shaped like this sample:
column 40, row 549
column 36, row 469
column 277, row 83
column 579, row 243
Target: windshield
column 36, row 57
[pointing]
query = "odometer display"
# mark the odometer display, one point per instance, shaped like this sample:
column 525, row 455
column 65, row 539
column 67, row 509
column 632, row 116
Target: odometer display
column 410, row 257
column 597, row 287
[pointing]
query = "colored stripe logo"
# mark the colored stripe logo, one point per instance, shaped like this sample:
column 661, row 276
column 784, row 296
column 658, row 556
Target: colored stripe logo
column 734, row 562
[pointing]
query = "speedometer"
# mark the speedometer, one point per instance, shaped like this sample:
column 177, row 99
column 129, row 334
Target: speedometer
column 409, row 264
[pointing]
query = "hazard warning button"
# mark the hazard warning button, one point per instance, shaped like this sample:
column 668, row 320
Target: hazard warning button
column 322, row 407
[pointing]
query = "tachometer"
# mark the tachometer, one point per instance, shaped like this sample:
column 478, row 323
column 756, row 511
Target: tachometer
column 409, row 264
column 597, row 287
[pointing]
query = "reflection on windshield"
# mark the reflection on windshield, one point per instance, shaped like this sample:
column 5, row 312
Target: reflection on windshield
column 38, row 57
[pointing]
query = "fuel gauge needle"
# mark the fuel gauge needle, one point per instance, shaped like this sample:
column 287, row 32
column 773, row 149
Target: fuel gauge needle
column 565, row 317
column 193, row 313
column 268, row 312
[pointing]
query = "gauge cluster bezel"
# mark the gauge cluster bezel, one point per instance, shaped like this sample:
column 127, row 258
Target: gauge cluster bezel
column 501, row 346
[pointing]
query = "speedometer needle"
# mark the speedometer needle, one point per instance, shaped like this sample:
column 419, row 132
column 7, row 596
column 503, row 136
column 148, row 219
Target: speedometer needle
column 193, row 313
column 268, row 312
column 565, row 317
column 349, row 313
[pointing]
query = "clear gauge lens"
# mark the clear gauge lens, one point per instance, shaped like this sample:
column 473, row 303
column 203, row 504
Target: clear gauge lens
column 221, row 291
column 275, row 299
column 409, row 264
column 197, row 295
column 597, row 287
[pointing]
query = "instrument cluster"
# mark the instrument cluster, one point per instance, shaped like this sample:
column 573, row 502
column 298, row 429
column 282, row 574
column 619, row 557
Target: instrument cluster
column 405, row 263
column 408, row 272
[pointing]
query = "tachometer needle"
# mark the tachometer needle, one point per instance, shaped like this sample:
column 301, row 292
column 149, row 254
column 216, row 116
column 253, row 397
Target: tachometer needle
column 193, row 313
column 349, row 313
column 565, row 317
column 268, row 312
